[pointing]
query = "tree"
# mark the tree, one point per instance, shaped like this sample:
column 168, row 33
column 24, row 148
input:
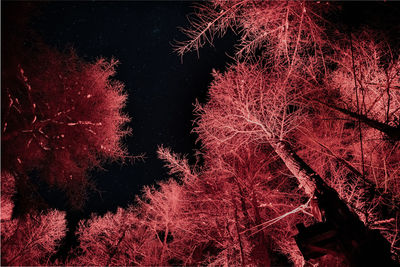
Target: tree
column 147, row 233
column 113, row 239
column 235, row 209
column 288, row 55
column 60, row 117
column 30, row 240
column 207, row 216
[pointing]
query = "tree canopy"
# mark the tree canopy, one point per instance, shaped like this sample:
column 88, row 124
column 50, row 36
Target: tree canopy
column 300, row 154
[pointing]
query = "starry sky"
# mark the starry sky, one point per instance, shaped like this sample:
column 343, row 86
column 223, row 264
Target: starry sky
column 161, row 87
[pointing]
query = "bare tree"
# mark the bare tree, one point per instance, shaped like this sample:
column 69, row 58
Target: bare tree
column 277, row 102
column 235, row 206
column 30, row 240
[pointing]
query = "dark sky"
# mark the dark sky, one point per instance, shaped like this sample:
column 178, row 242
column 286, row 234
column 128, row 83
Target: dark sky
column 161, row 88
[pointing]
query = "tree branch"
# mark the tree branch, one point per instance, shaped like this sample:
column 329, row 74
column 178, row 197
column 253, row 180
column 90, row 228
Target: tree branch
column 392, row 132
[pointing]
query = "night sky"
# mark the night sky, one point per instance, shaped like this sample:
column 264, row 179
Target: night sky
column 161, row 87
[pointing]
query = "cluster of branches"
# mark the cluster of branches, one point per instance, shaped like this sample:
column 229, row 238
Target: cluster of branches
column 29, row 240
column 231, row 212
column 60, row 117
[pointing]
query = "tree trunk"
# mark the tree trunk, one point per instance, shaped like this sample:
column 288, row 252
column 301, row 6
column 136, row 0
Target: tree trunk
column 238, row 232
column 261, row 250
column 307, row 177
column 164, row 246
column 359, row 245
column 392, row 132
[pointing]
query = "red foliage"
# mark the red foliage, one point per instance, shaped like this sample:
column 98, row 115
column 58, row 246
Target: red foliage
column 30, row 241
column 60, row 116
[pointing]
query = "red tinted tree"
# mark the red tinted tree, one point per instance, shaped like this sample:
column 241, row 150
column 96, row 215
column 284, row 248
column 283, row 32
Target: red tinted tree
column 148, row 233
column 115, row 239
column 60, row 117
column 235, row 207
column 224, row 213
column 30, row 240
column 249, row 106
column 276, row 102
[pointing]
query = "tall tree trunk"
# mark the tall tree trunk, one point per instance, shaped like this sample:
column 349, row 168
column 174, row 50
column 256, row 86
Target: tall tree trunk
column 359, row 245
column 164, row 245
column 307, row 177
column 261, row 250
column 392, row 132
column 238, row 232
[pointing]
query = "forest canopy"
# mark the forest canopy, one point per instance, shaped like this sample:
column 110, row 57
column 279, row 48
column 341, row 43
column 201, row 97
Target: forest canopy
column 299, row 160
